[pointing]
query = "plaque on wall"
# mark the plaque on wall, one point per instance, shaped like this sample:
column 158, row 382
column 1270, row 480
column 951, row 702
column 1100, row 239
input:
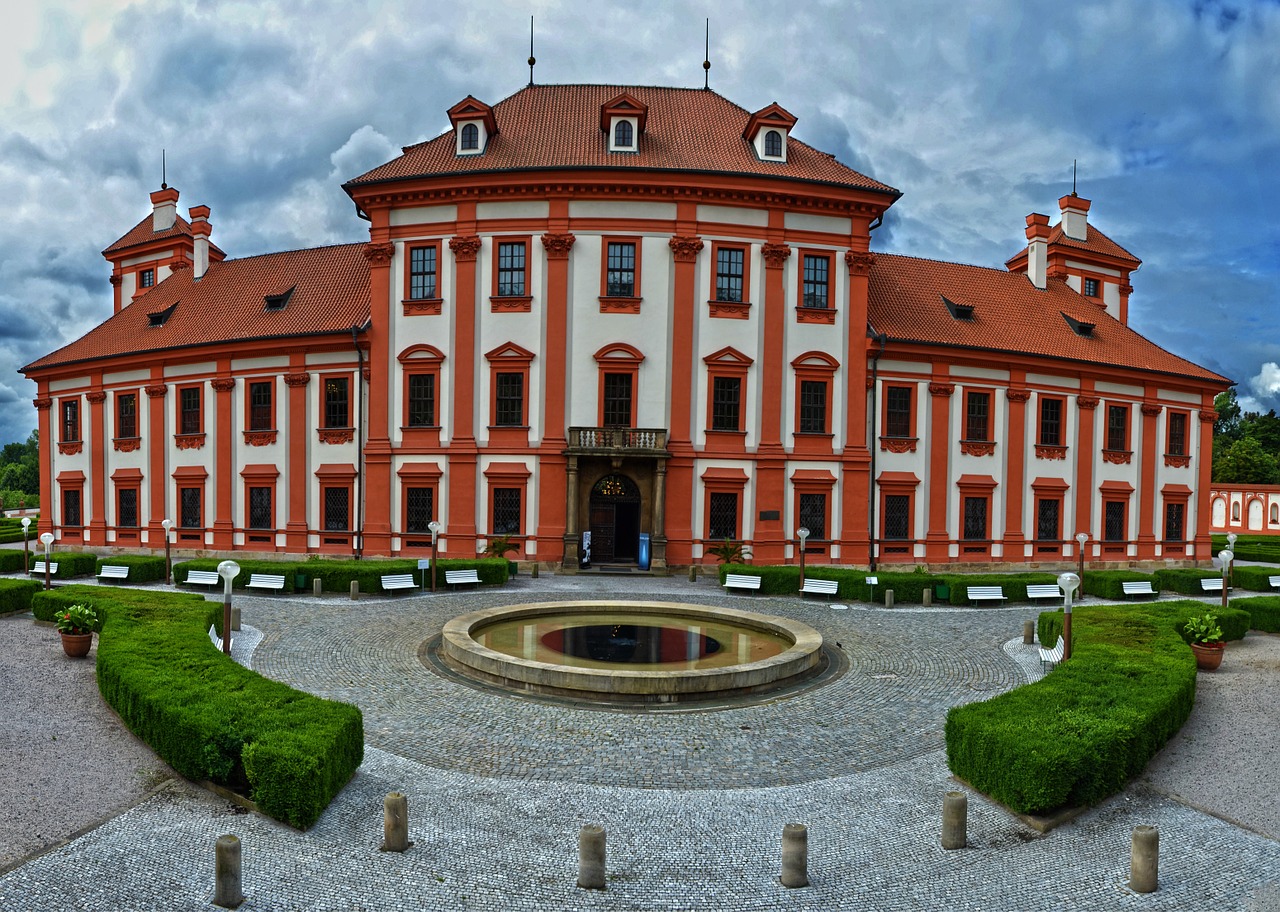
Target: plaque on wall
column 767, row 515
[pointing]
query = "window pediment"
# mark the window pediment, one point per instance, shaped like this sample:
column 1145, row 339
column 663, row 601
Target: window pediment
column 727, row 357
column 510, row 353
column 619, row 353
column 420, row 353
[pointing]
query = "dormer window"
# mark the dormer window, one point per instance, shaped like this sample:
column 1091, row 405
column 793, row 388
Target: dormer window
column 767, row 131
column 622, row 134
column 622, row 120
column 1079, row 327
column 470, row 140
column 773, row 144
column 473, row 126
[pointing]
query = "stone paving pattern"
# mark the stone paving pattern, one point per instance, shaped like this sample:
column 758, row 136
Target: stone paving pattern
column 693, row 802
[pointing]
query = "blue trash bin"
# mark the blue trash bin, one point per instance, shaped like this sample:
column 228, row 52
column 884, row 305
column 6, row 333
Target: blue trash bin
column 644, row 551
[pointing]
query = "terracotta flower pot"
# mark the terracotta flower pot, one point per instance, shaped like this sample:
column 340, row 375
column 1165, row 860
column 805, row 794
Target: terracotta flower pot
column 1208, row 655
column 76, row 645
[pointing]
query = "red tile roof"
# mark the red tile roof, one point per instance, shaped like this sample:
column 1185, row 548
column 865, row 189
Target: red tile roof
column 228, row 305
column 1010, row 315
column 1095, row 242
column 142, row 232
column 558, row 126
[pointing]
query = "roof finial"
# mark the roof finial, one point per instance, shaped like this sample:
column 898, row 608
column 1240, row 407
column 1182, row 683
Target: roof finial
column 706, row 59
column 163, row 172
column 1073, row 177
column 532, row 59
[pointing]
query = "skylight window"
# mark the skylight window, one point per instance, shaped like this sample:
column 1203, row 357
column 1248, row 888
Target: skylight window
column 959, row 311
column 161, row 317
column 278, row 300
column 1079, row 327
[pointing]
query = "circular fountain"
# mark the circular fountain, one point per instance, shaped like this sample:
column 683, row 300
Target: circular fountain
column 642, row 652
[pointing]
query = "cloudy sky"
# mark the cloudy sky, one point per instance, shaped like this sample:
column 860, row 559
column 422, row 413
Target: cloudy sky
column 974, row 110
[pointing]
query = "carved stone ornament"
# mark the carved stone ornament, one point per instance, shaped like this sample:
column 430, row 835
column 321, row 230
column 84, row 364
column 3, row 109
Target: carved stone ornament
column 156, row 390
column 71, row 447
column 619, row 305
column 1117, row 457
column 1151, row 410
column 1208, row 417
column 775, row 255
column 685, row 247
column 96, row 397
column 423, row 307
column 379, row 254
column 126, row 444
column 941, row 389
column 189, row 441
column 465, row 247
column 179, row 264
column 367, row 374
column 223, row 384
column 301, row 379
column 825, row 315
column 259, row 438
column 557, row 246
column 730, row 310
column 1177, row 462
column 116, row 280
column 1050, row 452
column 1087, row 402
column 42, row 404
column 898, row 444
column 1126, row 289
column 859, row 261
column 511, row 304
column 336, row 435
column 978, row 447
column 1017, row 395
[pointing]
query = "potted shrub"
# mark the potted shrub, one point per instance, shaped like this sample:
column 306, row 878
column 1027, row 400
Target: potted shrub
column 1206, row 641
column 499, row 546
column 75, row 626
column 729, row 552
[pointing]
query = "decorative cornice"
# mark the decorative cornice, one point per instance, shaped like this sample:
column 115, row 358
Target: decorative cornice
column 336, row 435
column 223, row 384
column 1151, row 410
column 1088, row 403
column 301, row 379
column 1044, row 451
column 464, row 247
column 423, row 307
column 96, row 397
column 1208, row 416
column 941, row 389
column 156, row 390
column 42, row 404
column 816, row 315
column 126, row 444
column 859, row 261
column 189, row 441
column 1117, row 457
column 116, row 280
column 557, row 246
column 511, row 304
column 71, row 447
column 620, row 305
column 1017, row 395
column 259, row 438
column 899, row 444
column 775, row 255
column 730, row 310
column 978, row 447
column 1177, row 462
column 379, row 254
column 685, row 248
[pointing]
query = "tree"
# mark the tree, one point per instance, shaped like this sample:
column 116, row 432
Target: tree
column 1244, row 461
column 1226, row 427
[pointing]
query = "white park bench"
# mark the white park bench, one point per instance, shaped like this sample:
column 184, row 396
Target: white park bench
column 113, row 572
column 986, row 594
column 462, row 577
column 819, row 587
column 202, row 578
column 1137, row 587
column 1043, row 590
column 1274, row 581
column 265, row 581
column 1051, row 657
column 1212, row 584
column 394, row 581
column 741, row 581
column 37, row 569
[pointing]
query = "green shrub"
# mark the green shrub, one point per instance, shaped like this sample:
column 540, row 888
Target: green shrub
column 143, row 568
column 337, row 575
column 71, row 563
column 1184, row 580
column 1256, row 578
column 15, row 594
column 1105, row 584
column 1264, row 548
column 773, row 580
column 1014, row 584
column 1264, row 612
column 11, row 561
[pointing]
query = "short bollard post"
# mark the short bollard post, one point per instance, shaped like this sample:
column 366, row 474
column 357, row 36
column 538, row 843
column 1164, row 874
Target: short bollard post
column 888, row 598
column 1028, row 633
column 395, row 823
column 955, row 820
column 235, row 617
column 317, row 587
column 591, row 857
column 1144, row 862
column 795, row 855
column 927, row 597
column 355, row 590
column 226, row 891
column 533, row 572
column 693, row 573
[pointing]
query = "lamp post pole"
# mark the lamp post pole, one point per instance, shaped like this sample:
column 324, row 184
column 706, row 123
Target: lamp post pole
column 228, row 570
column 47, row 540
column 1231, row 546
column 803, row 534
column 1226, row 556
column 1081, row 539
column 1067, row 582
column 26, row 556
column 168, row 561
column 434, row 528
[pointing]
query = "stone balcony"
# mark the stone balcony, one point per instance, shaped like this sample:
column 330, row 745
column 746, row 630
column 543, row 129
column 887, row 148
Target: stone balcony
column 617, row 441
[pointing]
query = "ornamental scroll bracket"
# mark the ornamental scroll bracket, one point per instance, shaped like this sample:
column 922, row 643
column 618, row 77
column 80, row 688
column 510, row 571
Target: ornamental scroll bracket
column 465, row 247
column 379, row 254
column 557, row 246
column 685, row 248
column 775, row 255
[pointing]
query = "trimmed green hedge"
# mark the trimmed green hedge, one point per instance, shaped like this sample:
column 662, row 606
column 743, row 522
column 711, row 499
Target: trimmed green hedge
column 1184, row 580
column 1264, row 612
column 208, row 717
column 1079, row 734
column 1014, row 584
column 1251, row 547
column 143, row 568
column 1106, row 583
column 1235, row 621
column 15, row 595
column 70, row 563
column 1255, row 578
column 11, row 561
column 337, row 575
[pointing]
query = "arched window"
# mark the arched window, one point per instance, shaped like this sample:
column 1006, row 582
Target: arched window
column 773, row 144
column 622, row 134
column 1275, row 513
column 470, row 136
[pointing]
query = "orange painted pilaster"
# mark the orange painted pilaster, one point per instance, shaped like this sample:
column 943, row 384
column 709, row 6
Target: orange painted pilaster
column 937, row 546
column 1148, row 502
column 224, row 476
column 298, row 480
column 552, row 481
column 1015, row 468
column 770, row 538
column 377, row 447
column 679, row 494
column 44, row 406
column 855, row 533
column 1204, row 518
column 97, row 464
column 158, row 446
column 116, row 281
column 460, row 529
column 1086, row 408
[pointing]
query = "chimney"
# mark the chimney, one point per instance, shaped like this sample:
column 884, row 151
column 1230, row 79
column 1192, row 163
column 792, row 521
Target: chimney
column 1075, row 217
column 200, row 231
column 1037, row 248
column 164, row 211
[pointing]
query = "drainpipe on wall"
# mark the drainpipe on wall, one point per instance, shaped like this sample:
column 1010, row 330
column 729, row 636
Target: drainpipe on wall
column 357, row 545
column 872, row 495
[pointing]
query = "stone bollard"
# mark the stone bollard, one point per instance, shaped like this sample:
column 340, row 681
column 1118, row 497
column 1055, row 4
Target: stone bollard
column 591, row 857
column 888, row 598
column 795, row 855
column 927, row 599
column 355, row 590
column 1144, row 862
column 235, row 617
column 1028, row 633
column 533, row 572
column 317, row 588
column 395, row 823
column 955, row 814
column 693, row 573
column 226, row 891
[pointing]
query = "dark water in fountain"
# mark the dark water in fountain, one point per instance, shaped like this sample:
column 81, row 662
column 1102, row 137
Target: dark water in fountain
column 631, row 643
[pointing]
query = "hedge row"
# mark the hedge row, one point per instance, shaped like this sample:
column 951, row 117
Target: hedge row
column 71, row 563
column 908, row 586
column 11, row 561
column 1235, row 621
column 1251, row 547
column 15, row 595
column 1183, row 580
column 208, row 717
column 1079, row 734
column 1256, row 578
column 143, row 568
column 337, row 576
column 1264, row 612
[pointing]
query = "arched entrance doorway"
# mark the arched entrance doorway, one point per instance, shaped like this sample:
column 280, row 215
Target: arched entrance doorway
column 615, row 519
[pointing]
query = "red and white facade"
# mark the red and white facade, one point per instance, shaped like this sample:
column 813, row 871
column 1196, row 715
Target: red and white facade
column 627, row 311
column 1245, row 509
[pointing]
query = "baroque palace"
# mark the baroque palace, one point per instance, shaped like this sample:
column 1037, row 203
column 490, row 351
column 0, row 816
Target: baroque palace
column 643, row 313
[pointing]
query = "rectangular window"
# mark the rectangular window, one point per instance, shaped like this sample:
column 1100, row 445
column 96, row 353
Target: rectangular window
column 1047, row 524
column 189, row 504
column 422, row 273
column 127, row 508
column 511, row 269
column 422, row 400
column 506, row 511
column 261, row 414
column 617, row 400
column 189, row 421
column 1177, row 434
column 726, row 405
column 722, row 516
column 1117, row 427
column 620, row 277
column 729, row 274
column 813, row 515
column 975, row 519
column 509, row 401
column 260, row 513
column 71, row 508
column 813, row 407
column 816, row 292
column 126, row 414
column 146, row 278
column 337, row 509
column 1114, row 520
column 1051, row 422
column 337, row 402
column 419, row 510
column 71, row 420
column 1091, row 288
column 897, row 411
column 1174, row 516
column 977, row 411
column 897, row 516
